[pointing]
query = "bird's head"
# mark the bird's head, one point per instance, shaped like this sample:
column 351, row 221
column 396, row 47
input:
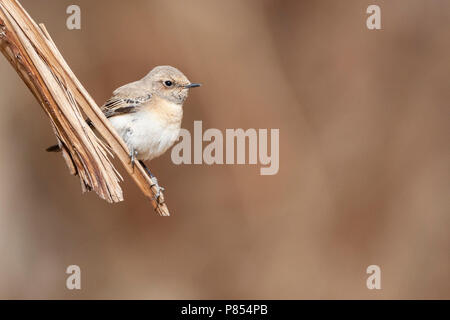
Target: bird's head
column 169, row 83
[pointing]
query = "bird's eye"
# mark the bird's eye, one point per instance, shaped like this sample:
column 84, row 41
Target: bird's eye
column 168, row 83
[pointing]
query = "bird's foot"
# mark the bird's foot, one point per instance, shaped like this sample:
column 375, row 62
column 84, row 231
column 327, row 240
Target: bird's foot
column 133, row 154
column 154, row 182
column 158, row 188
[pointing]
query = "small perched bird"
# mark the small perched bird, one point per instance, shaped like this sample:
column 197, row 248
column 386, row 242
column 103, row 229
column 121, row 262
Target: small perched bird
column 147, row 113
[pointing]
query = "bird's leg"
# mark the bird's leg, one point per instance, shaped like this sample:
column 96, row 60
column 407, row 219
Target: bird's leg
column 154, row 180
column 146, row 169
column 133, row 154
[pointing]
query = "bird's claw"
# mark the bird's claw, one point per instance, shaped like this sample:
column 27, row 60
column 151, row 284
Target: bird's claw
column 133, row 154
column 158, row 188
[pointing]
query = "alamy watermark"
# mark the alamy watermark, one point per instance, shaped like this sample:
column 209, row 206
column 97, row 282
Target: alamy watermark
column 373, row 21
column 73, row 281
column 374, row 280
column 73, row 21
column 239, row 145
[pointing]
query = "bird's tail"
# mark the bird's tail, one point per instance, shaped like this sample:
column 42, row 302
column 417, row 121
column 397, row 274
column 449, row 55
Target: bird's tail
column 54, row 148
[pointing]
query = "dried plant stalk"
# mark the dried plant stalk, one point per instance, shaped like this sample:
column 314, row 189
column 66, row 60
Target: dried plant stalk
column 35, row 57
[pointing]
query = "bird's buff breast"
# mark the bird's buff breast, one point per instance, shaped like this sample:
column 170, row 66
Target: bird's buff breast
column 150, row 132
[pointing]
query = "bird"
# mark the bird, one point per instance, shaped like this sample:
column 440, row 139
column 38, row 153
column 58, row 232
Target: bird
column 147, row 114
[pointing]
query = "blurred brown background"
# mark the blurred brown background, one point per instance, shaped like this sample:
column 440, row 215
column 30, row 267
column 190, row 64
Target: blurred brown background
column 364, row 155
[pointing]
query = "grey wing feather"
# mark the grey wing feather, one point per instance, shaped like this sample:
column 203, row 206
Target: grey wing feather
column 126, row 99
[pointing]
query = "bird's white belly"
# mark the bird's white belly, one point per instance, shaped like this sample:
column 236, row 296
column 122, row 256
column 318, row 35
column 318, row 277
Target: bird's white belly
column 147, row 133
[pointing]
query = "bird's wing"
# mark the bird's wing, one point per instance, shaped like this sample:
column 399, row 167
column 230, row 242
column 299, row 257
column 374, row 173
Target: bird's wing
column 126, row 99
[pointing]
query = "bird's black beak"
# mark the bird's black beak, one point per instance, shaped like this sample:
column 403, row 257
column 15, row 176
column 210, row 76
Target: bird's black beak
column 192, row 85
